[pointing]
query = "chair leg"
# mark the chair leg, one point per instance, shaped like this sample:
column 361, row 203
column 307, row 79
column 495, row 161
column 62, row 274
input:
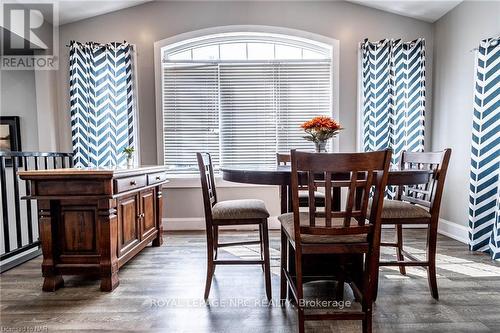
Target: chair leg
column 210, row 263
column 267, row 262
column 300, row 290
column 261, row 239
column 431, row 257
column 339, row 292
column 284, row 260
column 367, row 323
column 399, row 249
column 301, row 321
column 216, row 241
column 375, row 277
column 292, row 270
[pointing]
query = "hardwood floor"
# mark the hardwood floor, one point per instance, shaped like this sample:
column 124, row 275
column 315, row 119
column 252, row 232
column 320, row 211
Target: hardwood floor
column 161, row 290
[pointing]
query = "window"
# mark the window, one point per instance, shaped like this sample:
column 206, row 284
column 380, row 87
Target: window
column 241, row 97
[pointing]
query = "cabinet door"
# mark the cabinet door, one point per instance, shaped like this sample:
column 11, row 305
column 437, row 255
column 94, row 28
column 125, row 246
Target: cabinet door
column 148, row 210
column 128, row 223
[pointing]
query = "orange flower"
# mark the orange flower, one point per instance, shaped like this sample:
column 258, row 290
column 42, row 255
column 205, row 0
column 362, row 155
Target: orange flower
column 321, row 123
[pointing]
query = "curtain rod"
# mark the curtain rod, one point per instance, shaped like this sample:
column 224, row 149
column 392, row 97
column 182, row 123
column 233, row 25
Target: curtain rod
column 133, row 45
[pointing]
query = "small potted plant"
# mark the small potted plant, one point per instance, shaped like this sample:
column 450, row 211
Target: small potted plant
column 319, row 130
column 129, row 151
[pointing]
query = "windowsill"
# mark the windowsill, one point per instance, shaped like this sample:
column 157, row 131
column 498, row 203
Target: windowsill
column 193, row 181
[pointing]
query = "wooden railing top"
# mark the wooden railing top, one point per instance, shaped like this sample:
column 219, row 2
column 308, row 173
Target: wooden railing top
column 33, row 154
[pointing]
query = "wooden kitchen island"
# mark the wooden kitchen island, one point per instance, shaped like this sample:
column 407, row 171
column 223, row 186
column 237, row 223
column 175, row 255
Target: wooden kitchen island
column 93, row 220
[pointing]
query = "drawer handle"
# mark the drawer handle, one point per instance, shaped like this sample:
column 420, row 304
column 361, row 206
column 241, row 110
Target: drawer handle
column 140, row 216
column 158, row 177
column 133, row 183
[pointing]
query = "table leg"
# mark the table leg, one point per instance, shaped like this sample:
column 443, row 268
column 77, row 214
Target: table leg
column 108, row 222
column 52, row 280
column 284, row 199
column 158, row 241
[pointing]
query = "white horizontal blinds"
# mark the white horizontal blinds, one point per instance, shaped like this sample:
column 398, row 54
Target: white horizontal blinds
column 190, row 115
column 247, row 117
column 303, row 91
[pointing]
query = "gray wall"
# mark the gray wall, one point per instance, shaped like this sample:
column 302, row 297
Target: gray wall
column 18, row 98
column 145, row 24
column 456, row 34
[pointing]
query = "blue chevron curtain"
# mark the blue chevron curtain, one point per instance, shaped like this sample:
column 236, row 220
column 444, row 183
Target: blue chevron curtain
column 101, row 102
column 393, row 96
column 484, row 198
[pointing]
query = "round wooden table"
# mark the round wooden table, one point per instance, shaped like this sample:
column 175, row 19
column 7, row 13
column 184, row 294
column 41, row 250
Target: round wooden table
column 281, row 175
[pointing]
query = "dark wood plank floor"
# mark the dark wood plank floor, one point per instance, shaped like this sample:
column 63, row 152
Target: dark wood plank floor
column 161, row 291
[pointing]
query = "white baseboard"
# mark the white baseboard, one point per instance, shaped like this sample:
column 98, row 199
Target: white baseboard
column 447, row 228
column 454, row 230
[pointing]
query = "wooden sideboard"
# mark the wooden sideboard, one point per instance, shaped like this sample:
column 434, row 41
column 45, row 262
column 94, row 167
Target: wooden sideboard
column 92, row 221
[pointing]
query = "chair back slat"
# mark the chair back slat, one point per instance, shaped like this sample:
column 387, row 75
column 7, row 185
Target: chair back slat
column 350, row 199
column 328, row 199
column 365, row 195
column 283, row 159
column 359, row 173
column 207, row 184
column 311, row 188
column 428, row 194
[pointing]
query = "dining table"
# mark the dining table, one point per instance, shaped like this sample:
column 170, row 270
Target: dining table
column 280, row 175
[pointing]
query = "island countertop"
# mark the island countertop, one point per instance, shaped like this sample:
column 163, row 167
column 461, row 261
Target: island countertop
column 104, row 172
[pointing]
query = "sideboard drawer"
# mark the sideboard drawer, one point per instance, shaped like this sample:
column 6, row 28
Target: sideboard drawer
column 158, row 177
column 129, row 183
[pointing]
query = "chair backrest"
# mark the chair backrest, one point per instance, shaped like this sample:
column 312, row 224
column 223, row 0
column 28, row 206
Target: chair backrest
column 429, row 194
column 283, row 159
column 358, row 173
column 207, row 184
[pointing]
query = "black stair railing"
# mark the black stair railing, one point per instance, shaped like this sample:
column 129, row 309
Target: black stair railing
column 19, row 217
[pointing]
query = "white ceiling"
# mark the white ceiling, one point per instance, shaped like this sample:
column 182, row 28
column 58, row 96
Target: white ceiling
column 425, row 10
column 75, row 10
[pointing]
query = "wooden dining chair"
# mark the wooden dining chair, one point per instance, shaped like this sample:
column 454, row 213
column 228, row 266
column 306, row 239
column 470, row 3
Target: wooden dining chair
column 284, row 159
column 418, row 204
column 345, row 233
column 231, row 213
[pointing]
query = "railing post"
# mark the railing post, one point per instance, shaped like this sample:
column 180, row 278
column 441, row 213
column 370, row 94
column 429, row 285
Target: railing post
column 22, row 251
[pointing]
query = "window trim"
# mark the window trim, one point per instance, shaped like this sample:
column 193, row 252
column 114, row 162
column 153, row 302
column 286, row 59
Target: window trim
column 179, row 39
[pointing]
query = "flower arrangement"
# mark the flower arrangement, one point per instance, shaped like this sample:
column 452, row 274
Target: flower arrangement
column 319, row 129
column 129, row 151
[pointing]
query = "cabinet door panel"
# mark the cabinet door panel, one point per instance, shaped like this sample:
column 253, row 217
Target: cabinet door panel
column 78, row 230
column 128, row 230
column 148, row 205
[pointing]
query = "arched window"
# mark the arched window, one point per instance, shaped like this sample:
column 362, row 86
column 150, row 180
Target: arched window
column 241, row 96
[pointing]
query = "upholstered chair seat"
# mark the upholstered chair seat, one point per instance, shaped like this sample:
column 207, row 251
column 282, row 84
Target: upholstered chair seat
column 240, row 209
column 286, row 221
column 397, row 209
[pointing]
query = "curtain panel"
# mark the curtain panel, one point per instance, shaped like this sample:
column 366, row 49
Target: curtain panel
column 484, row 198
column 102, row 103
column 393, row 95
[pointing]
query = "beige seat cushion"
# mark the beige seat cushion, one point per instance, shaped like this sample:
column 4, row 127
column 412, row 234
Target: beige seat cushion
column 286, row 221
column 240, row 209
column 396, row 209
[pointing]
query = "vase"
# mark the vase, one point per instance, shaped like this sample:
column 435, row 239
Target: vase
column 320, row 146
column 130, row 162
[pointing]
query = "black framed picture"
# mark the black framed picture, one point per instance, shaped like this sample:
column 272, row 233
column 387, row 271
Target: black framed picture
column 10, row 135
